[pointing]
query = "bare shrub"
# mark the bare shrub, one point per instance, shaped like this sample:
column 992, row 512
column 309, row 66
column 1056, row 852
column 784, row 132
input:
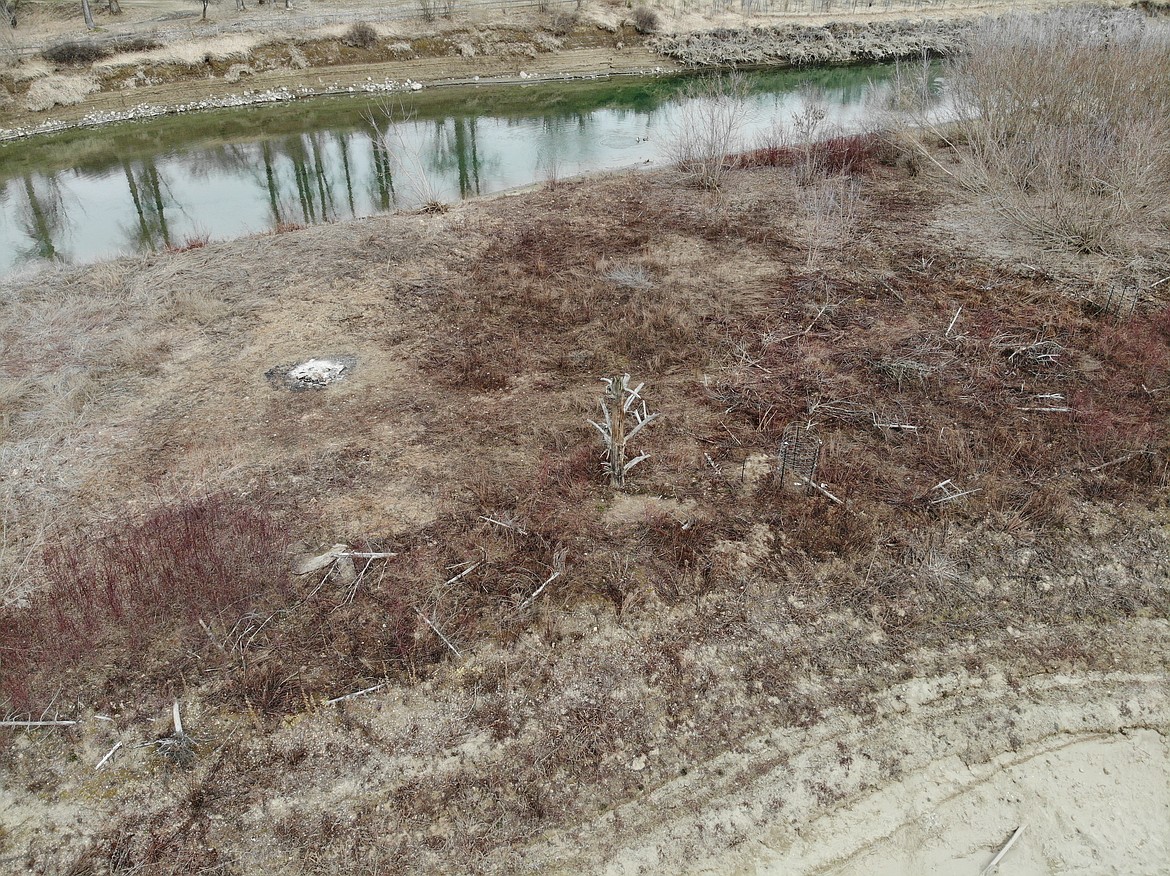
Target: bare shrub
column 563, row 23
column 1065, row 122
column 360, row 35
column 622, row 419
column 708, row 128
column 828, row 208
column 645, row 20
column 629, row 276
column 76, row 52
column 107, row 601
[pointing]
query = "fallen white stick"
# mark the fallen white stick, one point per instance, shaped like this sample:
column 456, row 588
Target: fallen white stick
column 538, row 591
column 37, row 723
column 951, row 497
column 462, row 574
column 513, row 526
column 439, row 632
column 101, row 763
column 820, row 488
column 178, row 720
column 357, row 693
column 954, row 320
column 1119, row 460
column 1003, row 851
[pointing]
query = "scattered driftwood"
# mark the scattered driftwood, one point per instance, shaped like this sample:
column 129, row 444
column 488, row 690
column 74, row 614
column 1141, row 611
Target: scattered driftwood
column 951, row 327
column 822, row 489
column 951, row 492
column 1121, row 459
column 1007, row 846
column 513, row 525
column 893, row 426
column 527, row 602
column 316, row 562
column 461, row 575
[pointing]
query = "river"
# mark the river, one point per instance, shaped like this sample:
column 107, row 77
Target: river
column 91, row 194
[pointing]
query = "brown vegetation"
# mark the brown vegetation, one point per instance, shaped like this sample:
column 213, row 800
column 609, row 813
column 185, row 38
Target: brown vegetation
column 915, row 365
column 539, row 647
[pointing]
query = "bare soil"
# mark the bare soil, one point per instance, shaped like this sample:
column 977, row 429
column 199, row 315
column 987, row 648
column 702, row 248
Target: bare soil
column 710, row 670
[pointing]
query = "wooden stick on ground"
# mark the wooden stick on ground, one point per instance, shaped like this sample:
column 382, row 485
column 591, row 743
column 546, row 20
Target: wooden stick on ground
column 1003, row 851
column 101, row 763
column 357, row 693
column 439, row 632
column 527, row 602
column 37, row 723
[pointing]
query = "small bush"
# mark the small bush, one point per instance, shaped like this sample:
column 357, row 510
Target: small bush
column 148, row 588
column 563, row 23
column 708, row 128
column 135, row 44
column 645, row 20
column 360, row 36
column 76, row 52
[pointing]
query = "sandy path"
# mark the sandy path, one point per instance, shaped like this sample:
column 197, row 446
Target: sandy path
column 1097, row 804
column 935, row 785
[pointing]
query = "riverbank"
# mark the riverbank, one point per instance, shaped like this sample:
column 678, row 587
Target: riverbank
column 179, row 73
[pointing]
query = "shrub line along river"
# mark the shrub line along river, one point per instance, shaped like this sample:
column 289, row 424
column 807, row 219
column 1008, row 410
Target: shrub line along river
column 95, row 193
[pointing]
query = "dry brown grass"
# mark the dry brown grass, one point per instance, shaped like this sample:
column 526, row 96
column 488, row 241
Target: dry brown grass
column 695, row 608
column 1066, row 120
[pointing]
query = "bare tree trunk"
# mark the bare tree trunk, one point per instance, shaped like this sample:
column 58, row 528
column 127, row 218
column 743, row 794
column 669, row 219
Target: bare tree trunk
column 115, row 7
column 88, row 13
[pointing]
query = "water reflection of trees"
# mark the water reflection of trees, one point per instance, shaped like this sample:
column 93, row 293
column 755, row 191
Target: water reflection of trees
column 456, row 152
column 145, row 183
column 353, row 169
column 41, row 215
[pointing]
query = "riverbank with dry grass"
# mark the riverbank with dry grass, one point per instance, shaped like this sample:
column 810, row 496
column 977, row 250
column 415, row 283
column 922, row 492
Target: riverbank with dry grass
column 407, row 625
column 155, row 57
